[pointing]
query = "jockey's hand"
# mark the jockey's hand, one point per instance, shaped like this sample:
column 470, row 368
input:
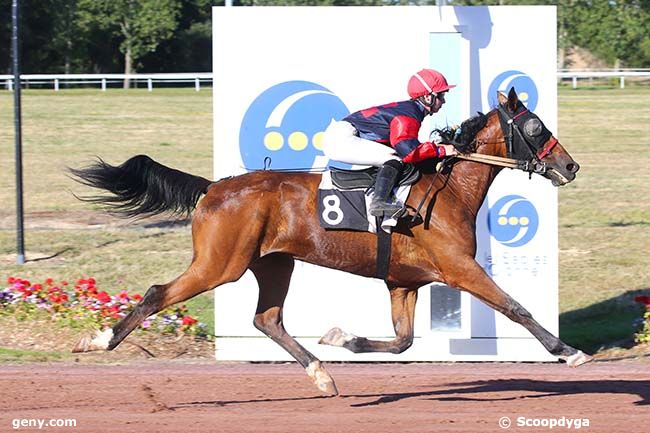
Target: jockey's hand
column 449, row 149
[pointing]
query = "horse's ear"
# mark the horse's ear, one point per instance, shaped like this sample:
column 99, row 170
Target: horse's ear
column 512, row 99
column 501, row 97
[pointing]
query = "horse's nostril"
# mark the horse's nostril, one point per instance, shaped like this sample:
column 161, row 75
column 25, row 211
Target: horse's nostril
column 573, row 167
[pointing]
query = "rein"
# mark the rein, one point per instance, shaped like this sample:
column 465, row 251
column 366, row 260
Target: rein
column 491, row 160
column 532, row 166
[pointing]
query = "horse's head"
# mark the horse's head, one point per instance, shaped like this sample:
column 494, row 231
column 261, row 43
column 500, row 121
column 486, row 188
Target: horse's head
column 526, row 139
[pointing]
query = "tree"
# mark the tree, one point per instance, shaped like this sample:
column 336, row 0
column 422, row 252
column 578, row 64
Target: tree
column 190, row 48
column 616, row 31
column 140, row 24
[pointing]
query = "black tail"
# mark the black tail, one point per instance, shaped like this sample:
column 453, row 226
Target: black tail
column 141, row 186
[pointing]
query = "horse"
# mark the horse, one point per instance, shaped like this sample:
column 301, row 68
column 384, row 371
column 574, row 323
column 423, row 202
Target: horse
column 265, row 220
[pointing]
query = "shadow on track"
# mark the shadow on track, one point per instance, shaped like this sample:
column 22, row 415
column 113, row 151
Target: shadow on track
column 524, row 388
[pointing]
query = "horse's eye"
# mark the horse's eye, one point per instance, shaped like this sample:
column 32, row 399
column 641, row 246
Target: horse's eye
column 533, row 127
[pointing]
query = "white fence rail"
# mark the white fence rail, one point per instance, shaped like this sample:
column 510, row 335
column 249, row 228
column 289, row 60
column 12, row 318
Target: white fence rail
column 621, row 74
column 103, row 80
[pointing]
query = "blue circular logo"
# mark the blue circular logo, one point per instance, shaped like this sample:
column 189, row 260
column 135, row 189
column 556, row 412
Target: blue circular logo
column 286, row 123
column 523, row 84
column 513, row 221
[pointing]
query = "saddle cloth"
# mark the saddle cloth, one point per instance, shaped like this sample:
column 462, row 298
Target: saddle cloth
column 348, row 209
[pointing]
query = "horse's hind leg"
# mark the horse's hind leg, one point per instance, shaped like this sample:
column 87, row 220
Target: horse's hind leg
column 192, row 282
column 211, row 267
column 273, row 274
column 402, row 302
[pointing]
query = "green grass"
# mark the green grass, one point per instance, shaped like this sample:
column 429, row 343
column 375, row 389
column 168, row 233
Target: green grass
column 15, row 355
column 604, row 214
column 70, row 127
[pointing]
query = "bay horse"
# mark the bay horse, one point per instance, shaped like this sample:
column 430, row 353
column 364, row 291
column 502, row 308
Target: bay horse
column 265, row 220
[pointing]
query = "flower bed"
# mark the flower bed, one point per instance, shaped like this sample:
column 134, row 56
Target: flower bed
column 643, row 336
column 84, row 305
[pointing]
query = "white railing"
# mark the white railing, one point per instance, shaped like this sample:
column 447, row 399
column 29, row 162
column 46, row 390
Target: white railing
column 55, row 80
column 621, row 74
column 103, row 80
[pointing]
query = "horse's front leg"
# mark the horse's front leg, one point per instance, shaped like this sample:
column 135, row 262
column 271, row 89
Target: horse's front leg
column 469, row 276
column 403, row 302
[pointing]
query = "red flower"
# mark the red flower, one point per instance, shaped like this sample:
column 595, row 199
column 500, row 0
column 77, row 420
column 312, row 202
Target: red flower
column 11, row 280
column 123, row 295
column 49, row 281
column 643, row 300
column 189, row 321
column 56, row 299
column 136, row 297
column 103, row 297
column 64, row 283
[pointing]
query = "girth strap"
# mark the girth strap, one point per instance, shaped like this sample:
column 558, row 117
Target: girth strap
column 383, row 250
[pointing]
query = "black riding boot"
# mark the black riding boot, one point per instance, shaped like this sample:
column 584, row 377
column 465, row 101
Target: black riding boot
column 382, row 203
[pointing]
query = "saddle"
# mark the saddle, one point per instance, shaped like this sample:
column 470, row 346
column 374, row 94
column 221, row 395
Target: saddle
column 365, row 178
column 349, row 180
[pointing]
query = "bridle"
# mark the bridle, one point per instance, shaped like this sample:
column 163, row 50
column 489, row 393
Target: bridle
column 512, row 130
column 510, row 125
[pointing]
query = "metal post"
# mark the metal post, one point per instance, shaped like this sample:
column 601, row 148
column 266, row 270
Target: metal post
column 103, row 84
column 622, row 82
column 574, row 80
column 197, row 84
column 20, row 236
column 149, row 84
column 56, row 84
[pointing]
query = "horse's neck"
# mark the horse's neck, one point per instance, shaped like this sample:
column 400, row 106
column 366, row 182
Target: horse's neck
column 469, row 183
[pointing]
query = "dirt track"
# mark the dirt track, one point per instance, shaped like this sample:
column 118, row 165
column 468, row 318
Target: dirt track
column 155, row 396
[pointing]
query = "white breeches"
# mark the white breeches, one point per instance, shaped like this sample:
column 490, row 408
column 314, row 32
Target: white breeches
column 342, row 143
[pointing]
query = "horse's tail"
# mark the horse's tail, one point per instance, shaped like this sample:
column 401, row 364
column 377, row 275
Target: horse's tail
column 142, row 187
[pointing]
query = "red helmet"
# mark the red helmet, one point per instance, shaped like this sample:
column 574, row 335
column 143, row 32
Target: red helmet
column 427, row 81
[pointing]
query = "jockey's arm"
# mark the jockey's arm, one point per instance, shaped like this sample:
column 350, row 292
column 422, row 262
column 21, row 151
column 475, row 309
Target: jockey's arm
column 404, row 139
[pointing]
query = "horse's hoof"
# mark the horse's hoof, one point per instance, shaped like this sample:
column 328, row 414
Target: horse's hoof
column 83, row 344
column 97, row 341
column 336, row 337
column 578, row 358
column 328, row 387
column 321, row 378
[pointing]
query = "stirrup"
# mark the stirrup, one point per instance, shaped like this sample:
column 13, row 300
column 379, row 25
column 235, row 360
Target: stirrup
column 391, row 210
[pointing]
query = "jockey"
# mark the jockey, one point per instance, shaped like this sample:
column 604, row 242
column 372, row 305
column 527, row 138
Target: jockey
column 387, row 135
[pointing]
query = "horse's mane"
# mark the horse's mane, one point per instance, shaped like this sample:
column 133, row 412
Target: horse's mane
column 462, row 138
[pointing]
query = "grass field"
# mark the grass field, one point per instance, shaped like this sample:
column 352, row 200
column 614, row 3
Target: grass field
column 604, row 214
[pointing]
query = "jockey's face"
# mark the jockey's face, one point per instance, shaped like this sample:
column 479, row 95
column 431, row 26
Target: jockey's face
column 435, row 101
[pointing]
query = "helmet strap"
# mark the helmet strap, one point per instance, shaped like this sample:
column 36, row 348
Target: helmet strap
column 429, row 106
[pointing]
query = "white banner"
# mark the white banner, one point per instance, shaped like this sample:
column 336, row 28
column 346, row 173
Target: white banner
column 282, row 73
